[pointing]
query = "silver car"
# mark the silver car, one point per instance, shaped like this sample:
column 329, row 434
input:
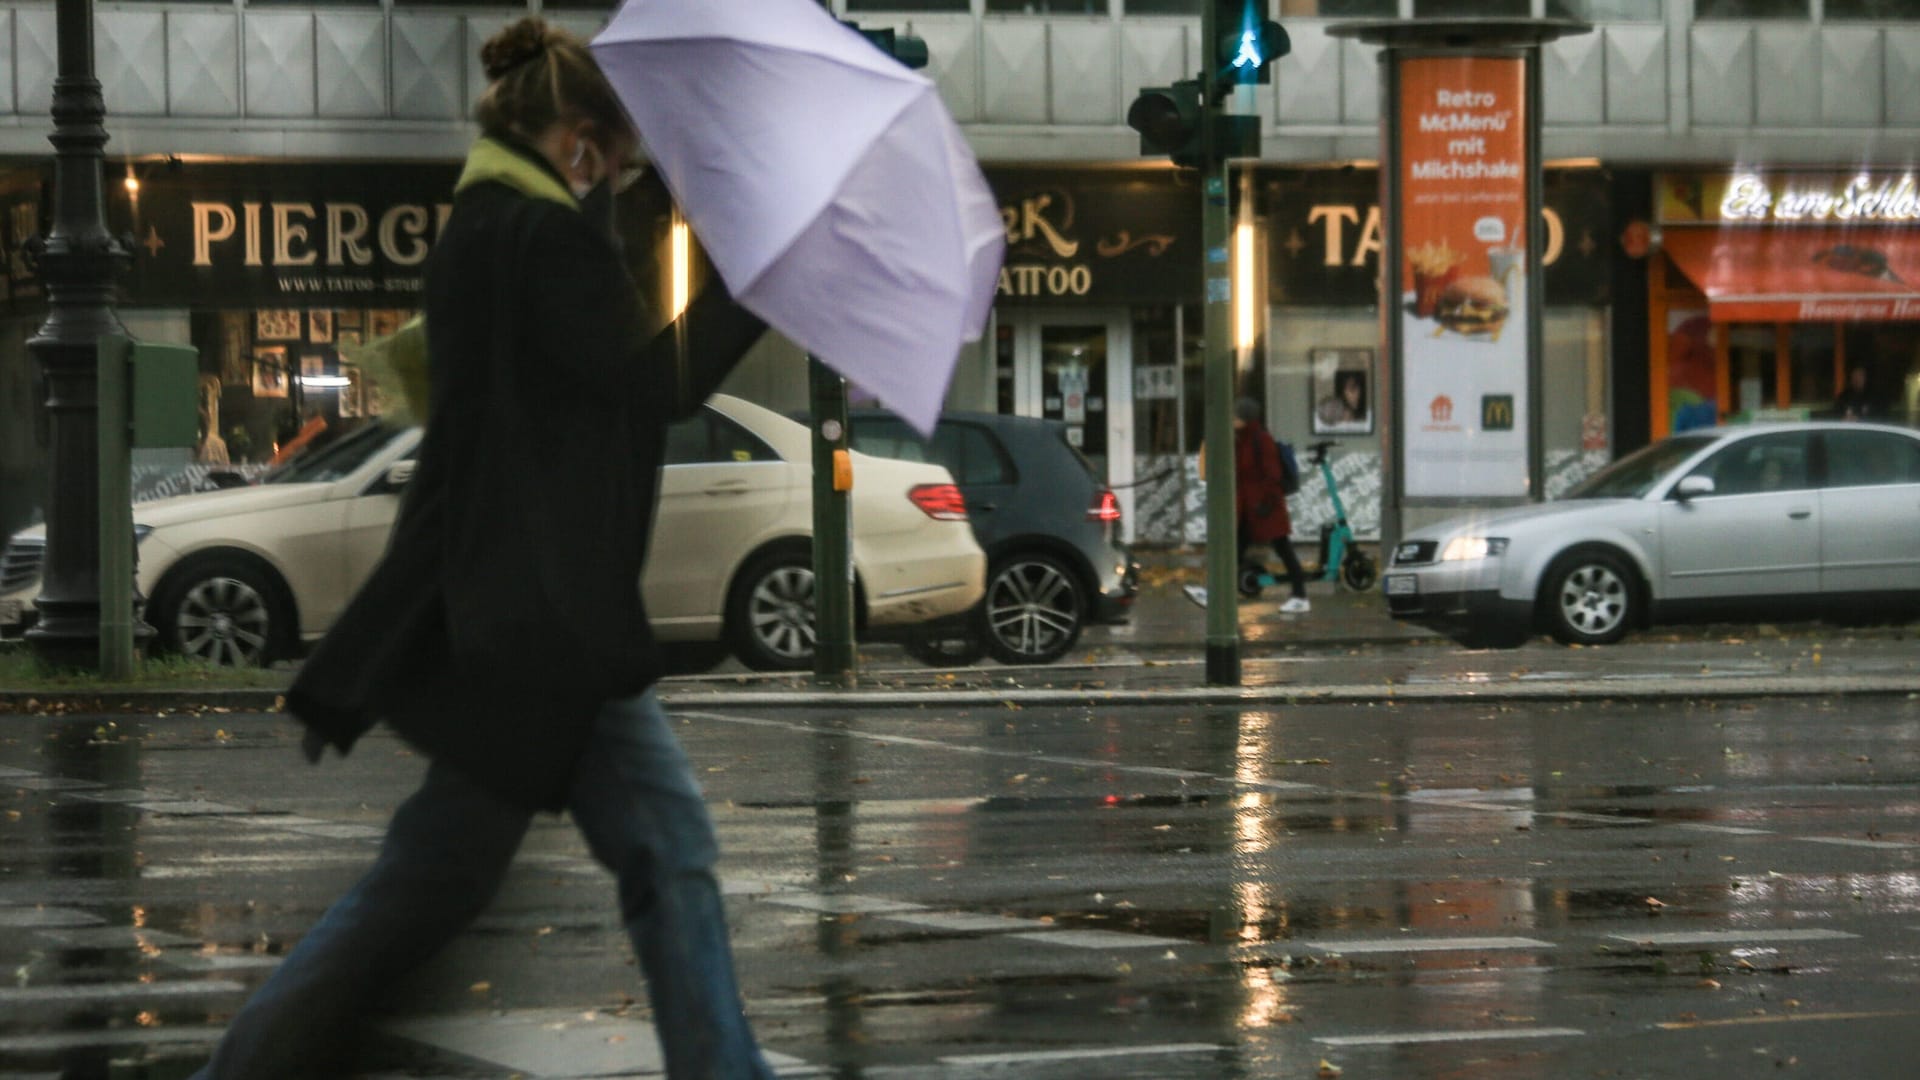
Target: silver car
column 1769, row 521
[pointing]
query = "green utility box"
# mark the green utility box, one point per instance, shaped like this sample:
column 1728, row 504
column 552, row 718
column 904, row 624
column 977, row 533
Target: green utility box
column 149, row 398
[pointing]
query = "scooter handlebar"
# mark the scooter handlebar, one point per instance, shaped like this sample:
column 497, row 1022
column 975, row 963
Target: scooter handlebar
column 1318, row 451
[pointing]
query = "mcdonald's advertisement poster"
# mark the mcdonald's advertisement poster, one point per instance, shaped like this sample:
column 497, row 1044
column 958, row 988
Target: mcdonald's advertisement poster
column 1463, row 278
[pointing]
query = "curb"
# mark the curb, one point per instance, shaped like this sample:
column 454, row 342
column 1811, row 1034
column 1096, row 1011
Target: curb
column 1601, row 689
column 164, row 703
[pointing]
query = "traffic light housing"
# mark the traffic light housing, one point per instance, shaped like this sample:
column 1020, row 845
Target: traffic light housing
column 906, row 48
column 1247, row 43
column 1168, row 120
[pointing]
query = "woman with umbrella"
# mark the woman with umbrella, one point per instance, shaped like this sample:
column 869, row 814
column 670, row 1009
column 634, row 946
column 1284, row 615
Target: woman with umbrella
column 503, row 633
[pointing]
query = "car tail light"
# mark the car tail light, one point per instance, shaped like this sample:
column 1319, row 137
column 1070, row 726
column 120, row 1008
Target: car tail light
column 1106, row 507
column 941, row 502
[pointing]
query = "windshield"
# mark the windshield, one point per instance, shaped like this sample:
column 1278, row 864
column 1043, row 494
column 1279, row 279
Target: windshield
column 322, row 463
column 1634, row 475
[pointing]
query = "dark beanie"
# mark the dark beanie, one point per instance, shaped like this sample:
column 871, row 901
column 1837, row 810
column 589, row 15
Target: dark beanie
column 1246, row 409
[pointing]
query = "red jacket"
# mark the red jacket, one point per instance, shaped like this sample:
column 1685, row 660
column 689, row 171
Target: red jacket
column 1259, row 501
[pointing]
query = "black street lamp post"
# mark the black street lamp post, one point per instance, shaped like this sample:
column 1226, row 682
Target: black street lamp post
column 77, row 263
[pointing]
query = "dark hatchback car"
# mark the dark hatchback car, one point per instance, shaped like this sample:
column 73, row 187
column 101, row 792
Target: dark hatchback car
column 1049, row 526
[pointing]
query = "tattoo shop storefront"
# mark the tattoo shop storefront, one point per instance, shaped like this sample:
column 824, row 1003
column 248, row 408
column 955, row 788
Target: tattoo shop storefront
column 275, row 273
column 1099, row 324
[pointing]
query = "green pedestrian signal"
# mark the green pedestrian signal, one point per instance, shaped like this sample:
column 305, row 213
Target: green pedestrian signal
column 1248, row 42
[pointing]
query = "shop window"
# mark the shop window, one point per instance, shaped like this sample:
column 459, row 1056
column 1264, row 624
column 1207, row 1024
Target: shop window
column 1461, row 9
column 1047, row 7
column 1877, row 10
column 1606, row 10
column 1871, row 459
column 1707, row 10
column 1331, row 9
column 1156, row 382
column 960, row 6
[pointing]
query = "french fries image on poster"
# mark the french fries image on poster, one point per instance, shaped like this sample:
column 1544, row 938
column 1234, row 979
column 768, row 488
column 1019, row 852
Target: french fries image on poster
column 1463, row 278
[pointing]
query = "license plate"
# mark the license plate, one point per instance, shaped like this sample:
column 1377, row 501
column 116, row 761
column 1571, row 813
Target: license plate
column 9, row 612
column 1402, row 585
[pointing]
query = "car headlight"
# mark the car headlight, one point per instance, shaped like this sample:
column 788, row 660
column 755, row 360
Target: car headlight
column 1464, row 548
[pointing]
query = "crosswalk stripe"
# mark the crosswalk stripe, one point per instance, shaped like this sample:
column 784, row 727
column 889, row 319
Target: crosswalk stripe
column 1098, row 939
column 1408, row 1037
column 1413, row 944
column 1732, row 937
column 120, row 991
column 1036, row 1057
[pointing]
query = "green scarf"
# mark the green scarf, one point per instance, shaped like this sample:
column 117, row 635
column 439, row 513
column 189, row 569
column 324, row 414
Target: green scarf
column 399, row 360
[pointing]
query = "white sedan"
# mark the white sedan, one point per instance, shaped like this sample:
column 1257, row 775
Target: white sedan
column 245, row 575
column 1764, row 521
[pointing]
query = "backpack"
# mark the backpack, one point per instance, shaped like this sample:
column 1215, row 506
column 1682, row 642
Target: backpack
column 1289, row 468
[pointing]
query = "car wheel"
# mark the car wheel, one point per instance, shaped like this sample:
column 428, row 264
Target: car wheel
column 1033, row 610
column 1357, row 572
column 770, row 613
column 945, row 648
column 1590, row 598
column 1251, row 580
column 224, row 610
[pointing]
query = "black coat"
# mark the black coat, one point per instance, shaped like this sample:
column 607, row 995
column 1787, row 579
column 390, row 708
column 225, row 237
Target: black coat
column 507, row 608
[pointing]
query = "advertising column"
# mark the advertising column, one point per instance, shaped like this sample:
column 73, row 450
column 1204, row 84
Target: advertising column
column 1463, row 298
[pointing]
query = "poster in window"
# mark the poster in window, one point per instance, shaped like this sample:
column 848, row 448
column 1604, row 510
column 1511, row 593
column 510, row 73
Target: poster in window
column 320, row 326
column 350, row 394
column 382, row 323
column 236, row 363
column 277, row 324
column 1342, row 391
column 347, row 319
column 270, row 371
column 313, row 366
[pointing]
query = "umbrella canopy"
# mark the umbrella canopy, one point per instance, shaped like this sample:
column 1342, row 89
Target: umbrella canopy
column 827, row 182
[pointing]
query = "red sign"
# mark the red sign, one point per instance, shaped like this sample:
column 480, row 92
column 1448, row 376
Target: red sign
column 1463, row 277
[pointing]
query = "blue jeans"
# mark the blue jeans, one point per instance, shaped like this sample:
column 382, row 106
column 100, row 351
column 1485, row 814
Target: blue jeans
column 634, row 799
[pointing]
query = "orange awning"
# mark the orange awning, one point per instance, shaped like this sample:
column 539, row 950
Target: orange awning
column 1792, row 274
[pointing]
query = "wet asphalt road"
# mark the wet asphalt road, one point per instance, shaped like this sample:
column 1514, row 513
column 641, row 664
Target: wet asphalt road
column 1429, row 890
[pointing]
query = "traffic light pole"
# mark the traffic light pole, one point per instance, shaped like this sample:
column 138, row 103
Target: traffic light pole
column 832, row 528
column 1223, row 532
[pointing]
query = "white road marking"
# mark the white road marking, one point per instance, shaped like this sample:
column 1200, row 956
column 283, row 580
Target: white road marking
column 45, row 918
column 52, row 783
column 967, row 922
column 1848, row 841
column 82, row 1040
column 1037, row 1057
column 1099, row 939
column 114, row 937
column 120, row 991
column 556, row 1042
column 1407, row 1037
column 8, row 772
column 200, row 962
column 841, row 905
column 1415, row 944
column 1732, row 937
column 1730, row 830
column 190, row 808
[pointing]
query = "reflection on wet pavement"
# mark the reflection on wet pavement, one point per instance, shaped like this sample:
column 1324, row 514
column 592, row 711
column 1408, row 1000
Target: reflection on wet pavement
column 1549, row 890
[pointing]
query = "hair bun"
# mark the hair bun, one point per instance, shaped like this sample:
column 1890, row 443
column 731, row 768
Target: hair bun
column 517, row 44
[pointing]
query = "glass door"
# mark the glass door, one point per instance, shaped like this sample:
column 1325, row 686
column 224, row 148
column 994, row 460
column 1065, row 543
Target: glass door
column 1074, row 367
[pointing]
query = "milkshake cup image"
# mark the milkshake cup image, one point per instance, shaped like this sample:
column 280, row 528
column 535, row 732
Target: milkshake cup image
column 1503, row 261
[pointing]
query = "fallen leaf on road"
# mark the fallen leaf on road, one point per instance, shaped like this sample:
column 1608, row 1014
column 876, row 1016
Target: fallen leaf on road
column 1303, row 761
column 1328, row 1069
column 480, row 987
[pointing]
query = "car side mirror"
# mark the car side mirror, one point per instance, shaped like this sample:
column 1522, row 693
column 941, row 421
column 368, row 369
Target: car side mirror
column 399, row 474
column 1692, row 487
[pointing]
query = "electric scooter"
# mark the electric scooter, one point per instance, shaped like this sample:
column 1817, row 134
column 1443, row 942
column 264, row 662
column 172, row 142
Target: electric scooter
column 1341, row 559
